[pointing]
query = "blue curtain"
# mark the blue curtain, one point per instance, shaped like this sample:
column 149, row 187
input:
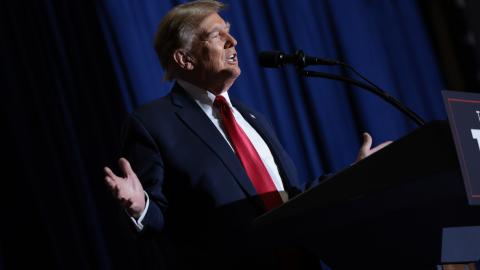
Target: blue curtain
column 318, row 121
column 61, row 115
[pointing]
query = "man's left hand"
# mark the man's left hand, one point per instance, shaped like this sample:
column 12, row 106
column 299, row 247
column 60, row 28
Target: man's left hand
column 366, row 150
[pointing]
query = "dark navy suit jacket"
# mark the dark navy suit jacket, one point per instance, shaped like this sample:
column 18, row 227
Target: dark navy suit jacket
column 201, row 200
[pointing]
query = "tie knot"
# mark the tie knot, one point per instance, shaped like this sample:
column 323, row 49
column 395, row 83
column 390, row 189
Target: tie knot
column 220, row 102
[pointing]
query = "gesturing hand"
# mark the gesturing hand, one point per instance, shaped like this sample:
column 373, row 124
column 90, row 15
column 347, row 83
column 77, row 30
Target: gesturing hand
column 366, row 150
column 128, row 190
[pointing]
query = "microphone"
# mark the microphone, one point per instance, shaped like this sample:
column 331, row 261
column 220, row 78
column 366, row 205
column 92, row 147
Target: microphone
column 276, row 59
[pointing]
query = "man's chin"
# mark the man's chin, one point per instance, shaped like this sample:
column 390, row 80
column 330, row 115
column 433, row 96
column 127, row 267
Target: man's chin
column 232, row 73
column 237, row 72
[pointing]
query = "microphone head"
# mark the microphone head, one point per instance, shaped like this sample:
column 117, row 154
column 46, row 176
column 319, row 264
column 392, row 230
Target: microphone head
column 271, row 59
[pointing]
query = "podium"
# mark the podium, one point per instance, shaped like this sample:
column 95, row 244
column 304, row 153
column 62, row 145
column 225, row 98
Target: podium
column 387, row 211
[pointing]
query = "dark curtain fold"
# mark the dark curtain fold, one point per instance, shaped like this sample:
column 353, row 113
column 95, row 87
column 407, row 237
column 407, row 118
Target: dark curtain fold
column 62, row 114
column 72, row 70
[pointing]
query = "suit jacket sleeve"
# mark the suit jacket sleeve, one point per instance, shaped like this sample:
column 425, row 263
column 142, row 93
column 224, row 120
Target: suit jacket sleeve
column 142, row 152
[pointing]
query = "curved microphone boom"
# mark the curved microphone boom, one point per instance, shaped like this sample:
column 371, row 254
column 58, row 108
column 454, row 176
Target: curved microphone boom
column 276, row 59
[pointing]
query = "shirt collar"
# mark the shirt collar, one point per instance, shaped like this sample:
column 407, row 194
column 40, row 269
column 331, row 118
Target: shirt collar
column 203, row 97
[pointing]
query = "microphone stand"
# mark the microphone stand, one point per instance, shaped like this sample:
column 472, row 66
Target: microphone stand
column 374, row 89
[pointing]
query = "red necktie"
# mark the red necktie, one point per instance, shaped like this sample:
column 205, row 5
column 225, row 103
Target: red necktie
column 248, row 155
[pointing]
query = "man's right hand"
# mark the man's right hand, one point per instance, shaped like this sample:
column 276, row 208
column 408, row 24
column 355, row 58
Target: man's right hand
column 128, row 190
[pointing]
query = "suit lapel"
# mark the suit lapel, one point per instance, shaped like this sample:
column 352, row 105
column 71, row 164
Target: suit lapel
column 193, row 116
column 269, row 139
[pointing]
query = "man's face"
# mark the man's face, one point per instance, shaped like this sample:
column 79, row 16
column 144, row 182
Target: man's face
column 215, row 58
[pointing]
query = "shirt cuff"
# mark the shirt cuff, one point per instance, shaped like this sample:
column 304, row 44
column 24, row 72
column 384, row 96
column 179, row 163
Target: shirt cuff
column 138, row 222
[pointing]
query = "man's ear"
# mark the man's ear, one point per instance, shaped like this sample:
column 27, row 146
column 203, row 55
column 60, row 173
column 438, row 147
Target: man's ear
column 183, row 59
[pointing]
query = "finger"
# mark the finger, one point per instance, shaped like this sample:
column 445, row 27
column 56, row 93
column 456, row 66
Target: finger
column 380, row 146
column 123, row 201
column 109, row 173
column 128, row 203
column 116, row 191
column 110, row 182
column 125, row 166
column 112, row 186
column 367, row 141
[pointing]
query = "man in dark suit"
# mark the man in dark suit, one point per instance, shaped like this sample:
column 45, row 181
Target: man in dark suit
column 208, row 166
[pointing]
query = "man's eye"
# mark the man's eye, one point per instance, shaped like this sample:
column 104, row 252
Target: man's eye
column 214, row 35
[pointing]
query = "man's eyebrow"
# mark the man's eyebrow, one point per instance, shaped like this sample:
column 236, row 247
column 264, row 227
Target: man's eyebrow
column 220, row 27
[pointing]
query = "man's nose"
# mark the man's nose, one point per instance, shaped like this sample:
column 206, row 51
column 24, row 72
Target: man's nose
column 230, row 41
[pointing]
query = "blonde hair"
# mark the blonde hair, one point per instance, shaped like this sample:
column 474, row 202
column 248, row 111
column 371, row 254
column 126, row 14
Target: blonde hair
column 178, row 27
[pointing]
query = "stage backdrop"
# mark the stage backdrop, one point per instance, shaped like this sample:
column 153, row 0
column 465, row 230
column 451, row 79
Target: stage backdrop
column 70, row 71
